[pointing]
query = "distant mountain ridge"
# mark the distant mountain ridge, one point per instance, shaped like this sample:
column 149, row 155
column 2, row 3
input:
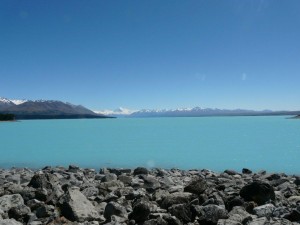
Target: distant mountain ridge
column 198, row 112
column 45, row 109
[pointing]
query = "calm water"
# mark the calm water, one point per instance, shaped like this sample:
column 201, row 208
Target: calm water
column 218, row 143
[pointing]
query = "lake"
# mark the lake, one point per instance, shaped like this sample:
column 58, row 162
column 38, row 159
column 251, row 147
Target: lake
column 218, row 143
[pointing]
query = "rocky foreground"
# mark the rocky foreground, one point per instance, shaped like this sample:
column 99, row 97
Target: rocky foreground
column 166, row 197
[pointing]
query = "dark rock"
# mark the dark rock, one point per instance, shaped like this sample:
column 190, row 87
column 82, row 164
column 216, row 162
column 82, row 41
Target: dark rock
column 182, row 212
column 176, row 198
column 42, row 181
column 258, row 191
column 140, row 170
column 196, row 186
column 232, row 202
column 141, row 212
column 73, row 168
column 171, row 220
column 114, row 208
column 230, row 172
column 19, row 213
column 44, row 211
column 294, row 216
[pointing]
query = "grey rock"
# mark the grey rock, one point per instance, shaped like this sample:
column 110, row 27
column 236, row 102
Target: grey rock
column 196, row 186
column 176, row 198
column 9, row 201
column 109, row 177
column 114, row 208
column 182, row 212
column 10, row 222
column 228, row 222
column 76, row 207
column 210, row 213
column 264, row 210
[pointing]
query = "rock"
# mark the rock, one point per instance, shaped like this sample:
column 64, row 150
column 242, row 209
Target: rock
column 73, row 169
column 150, row 183
column 196, row 186
column 228, row 222
column 19, row 213
column 239, row 214
column 176, row 198
column 90, row 191
column 125, row 179
column 171, row 220
column 264, row 210
column 140, row 170
column 75, row 207
column 114, row 208
column 258, row 192
column 140, row 212
column 9, row 201
column 246, row 171
column 210, row 214
column 10, row 222
column 44, row 211
column 109, row 177
column 182, row 212
column 294, row 216
column 231, row 172
column 259, row 221
column 42, row 181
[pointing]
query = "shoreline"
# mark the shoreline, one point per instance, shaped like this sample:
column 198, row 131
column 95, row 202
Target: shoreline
column 73, row 195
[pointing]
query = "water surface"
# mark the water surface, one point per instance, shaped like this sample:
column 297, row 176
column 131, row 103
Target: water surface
column 217, row 143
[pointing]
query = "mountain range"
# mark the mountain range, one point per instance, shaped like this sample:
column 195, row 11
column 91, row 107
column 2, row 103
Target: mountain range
column 193, row 112
column 45, row 109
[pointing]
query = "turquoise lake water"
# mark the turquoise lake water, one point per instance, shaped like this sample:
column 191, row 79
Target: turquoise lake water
column 217, row 143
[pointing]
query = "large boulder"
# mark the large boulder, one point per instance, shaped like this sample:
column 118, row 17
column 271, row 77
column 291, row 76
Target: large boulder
column 258, row 191
column 76, row 207
column 196, row 186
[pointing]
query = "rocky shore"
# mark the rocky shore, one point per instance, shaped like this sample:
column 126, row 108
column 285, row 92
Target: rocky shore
column 57, row 195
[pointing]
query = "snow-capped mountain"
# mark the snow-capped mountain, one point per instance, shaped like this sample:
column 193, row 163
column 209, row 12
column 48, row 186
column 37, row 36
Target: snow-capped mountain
column 25, row 109
column 5, row 103
column 120, row 112
column 190, row 112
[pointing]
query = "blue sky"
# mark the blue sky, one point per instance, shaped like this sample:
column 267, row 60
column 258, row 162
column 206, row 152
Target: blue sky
column 152, row 54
